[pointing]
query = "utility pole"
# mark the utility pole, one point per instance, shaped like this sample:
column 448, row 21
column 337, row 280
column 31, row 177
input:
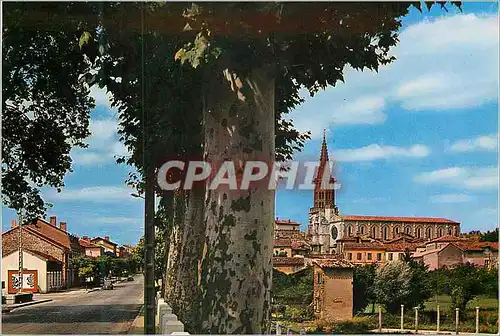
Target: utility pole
column 149, row 258
column 20, row 250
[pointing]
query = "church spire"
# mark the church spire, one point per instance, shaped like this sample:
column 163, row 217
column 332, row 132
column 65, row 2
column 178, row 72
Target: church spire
column 323, row 159
column 323, row 198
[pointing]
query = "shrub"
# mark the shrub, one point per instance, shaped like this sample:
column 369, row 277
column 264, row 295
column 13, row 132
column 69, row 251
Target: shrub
column 356, row 325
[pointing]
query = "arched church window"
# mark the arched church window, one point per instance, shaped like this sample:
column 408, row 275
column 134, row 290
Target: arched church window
column 407, row 230
column 419, row 232
column 449, row 232
column 396, row 230
column 374, row 232
column 428, row 233
column 335, row 232
column 349, row 230
column 440, row 232
column 362, row 229
column 385, row 233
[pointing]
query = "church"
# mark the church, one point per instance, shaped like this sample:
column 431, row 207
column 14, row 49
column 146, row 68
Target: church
column 327, row 227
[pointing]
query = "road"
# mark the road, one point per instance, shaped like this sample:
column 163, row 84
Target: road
column 78, row 312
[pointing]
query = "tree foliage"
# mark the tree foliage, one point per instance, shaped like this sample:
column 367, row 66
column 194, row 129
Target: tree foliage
column 464, row 282
column 45, row 106
column 363, row 286
column 490, row 236
column 392, row 285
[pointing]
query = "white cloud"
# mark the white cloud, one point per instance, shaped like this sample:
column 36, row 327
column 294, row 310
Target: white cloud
column 97, row 194
column 447, row 63
column 103, row 144
column 377, row 152
column 484, row 178
column 451, row 198
column 481, row 143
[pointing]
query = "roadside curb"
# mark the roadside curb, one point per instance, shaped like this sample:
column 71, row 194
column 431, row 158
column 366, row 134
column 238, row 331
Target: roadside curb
column 134, row 324
column 93, row 290
column 24, row 304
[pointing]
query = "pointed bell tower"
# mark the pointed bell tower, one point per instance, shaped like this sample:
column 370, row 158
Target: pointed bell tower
column 324, row 198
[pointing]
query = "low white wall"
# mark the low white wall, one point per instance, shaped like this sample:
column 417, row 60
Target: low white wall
column 167, row 323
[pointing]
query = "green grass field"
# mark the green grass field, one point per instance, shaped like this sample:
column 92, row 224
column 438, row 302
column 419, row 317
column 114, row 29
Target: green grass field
column 444, row 301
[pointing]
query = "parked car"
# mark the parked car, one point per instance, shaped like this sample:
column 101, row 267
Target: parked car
column 130, row 278
column 107, row 284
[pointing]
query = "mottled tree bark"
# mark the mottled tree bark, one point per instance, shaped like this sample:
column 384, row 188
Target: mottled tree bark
column 236, row 270
column 186, row 294
column 175, row 245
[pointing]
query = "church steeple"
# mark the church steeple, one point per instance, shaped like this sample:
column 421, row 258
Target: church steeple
column 323, row 198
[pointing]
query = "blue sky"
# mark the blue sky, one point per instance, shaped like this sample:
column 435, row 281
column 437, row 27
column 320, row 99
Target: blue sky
column 418, row 138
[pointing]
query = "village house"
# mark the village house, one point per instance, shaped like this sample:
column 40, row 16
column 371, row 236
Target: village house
column 289, row 265
column 333, row 288
column 47, row 250
column 91, row 250
column 108, row 245
column 449, row 251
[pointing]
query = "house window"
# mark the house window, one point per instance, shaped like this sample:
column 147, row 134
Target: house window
column 362, row 229
column 385, row 233
column 319, row 278
column 486, row 263
column 379, row 256
column 407, row 230
column 358, row 256
column 401, row 255
column 428, row 234
column 419, row 232
column 440, row 233
column 390, row 256
column 349, row 231
column 369, row 256
column 349, row 256
column 374, row 232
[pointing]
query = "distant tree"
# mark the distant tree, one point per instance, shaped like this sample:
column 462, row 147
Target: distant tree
column 420, row 282
column 392, row 285
column 468, row 281
column 363, row 282
column 490, row 236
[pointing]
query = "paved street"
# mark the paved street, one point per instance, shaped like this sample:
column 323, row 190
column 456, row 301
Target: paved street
column 99, row 312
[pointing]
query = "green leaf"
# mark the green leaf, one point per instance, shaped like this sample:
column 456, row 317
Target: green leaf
column 84, row 39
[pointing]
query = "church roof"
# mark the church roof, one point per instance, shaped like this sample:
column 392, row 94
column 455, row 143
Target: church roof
column 399, row 219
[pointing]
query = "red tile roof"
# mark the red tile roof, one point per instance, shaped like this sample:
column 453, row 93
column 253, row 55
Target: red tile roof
column 333, row 263
column 282, row 243
column 399, row 219
column 104, row 240
column 87, row 244
column 286, row 222
column 300, row 245
column 446, row 239
column 50, row 231
column 287, row 261
column 402, row 247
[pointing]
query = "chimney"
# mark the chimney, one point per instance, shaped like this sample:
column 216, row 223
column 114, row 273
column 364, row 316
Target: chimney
column 13, row 224
column 53, row 220
column 63, row 226
column 106, row 238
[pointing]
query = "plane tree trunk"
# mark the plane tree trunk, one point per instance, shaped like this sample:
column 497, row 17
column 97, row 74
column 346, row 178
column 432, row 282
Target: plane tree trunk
column 236, row 265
